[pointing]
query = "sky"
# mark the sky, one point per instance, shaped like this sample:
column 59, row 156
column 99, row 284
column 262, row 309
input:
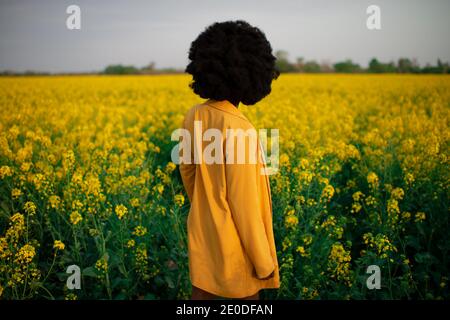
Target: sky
column 34, row 36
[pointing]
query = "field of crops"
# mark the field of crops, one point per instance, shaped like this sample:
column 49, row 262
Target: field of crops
column 86, row 180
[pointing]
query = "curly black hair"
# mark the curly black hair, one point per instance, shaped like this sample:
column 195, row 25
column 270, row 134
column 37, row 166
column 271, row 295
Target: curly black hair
column 232, row 61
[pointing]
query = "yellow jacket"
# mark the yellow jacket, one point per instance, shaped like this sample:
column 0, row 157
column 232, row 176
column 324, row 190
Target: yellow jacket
column 230, row 234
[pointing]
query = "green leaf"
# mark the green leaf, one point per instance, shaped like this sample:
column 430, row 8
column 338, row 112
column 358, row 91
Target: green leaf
column 149, row 296
column 122, row 269
column 120, row 296
column 169, row 282
column 90, row 272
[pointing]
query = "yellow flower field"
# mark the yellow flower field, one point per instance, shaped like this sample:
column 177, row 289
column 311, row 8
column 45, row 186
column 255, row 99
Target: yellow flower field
column 86, row 179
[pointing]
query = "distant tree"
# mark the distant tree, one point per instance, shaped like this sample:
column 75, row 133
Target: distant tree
column 282, row 55
column 311, row 67
column 377, row 67
column 428, row 68
column 443, row 67
column 7, row 73
column 120, row 69
column 405, row 65
column 34, row 73
column 150, row 68
column 374, row 66
column 439, row 68
column 390, row 67
column 282, row 63
column 347, row 66
column 169, row 70
column 325, row 66
column 299, row 65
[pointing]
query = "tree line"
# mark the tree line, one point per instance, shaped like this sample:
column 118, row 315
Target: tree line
column 403, row 65
column 284, row 65
column 130, row 69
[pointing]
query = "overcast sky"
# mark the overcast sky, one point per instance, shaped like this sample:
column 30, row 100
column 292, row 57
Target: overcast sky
column 33, row 33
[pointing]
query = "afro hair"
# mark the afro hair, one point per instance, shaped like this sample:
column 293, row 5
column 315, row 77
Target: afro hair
column 232, row 61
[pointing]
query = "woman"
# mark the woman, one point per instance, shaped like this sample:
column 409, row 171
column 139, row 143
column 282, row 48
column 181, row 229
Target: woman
column 231, row 245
